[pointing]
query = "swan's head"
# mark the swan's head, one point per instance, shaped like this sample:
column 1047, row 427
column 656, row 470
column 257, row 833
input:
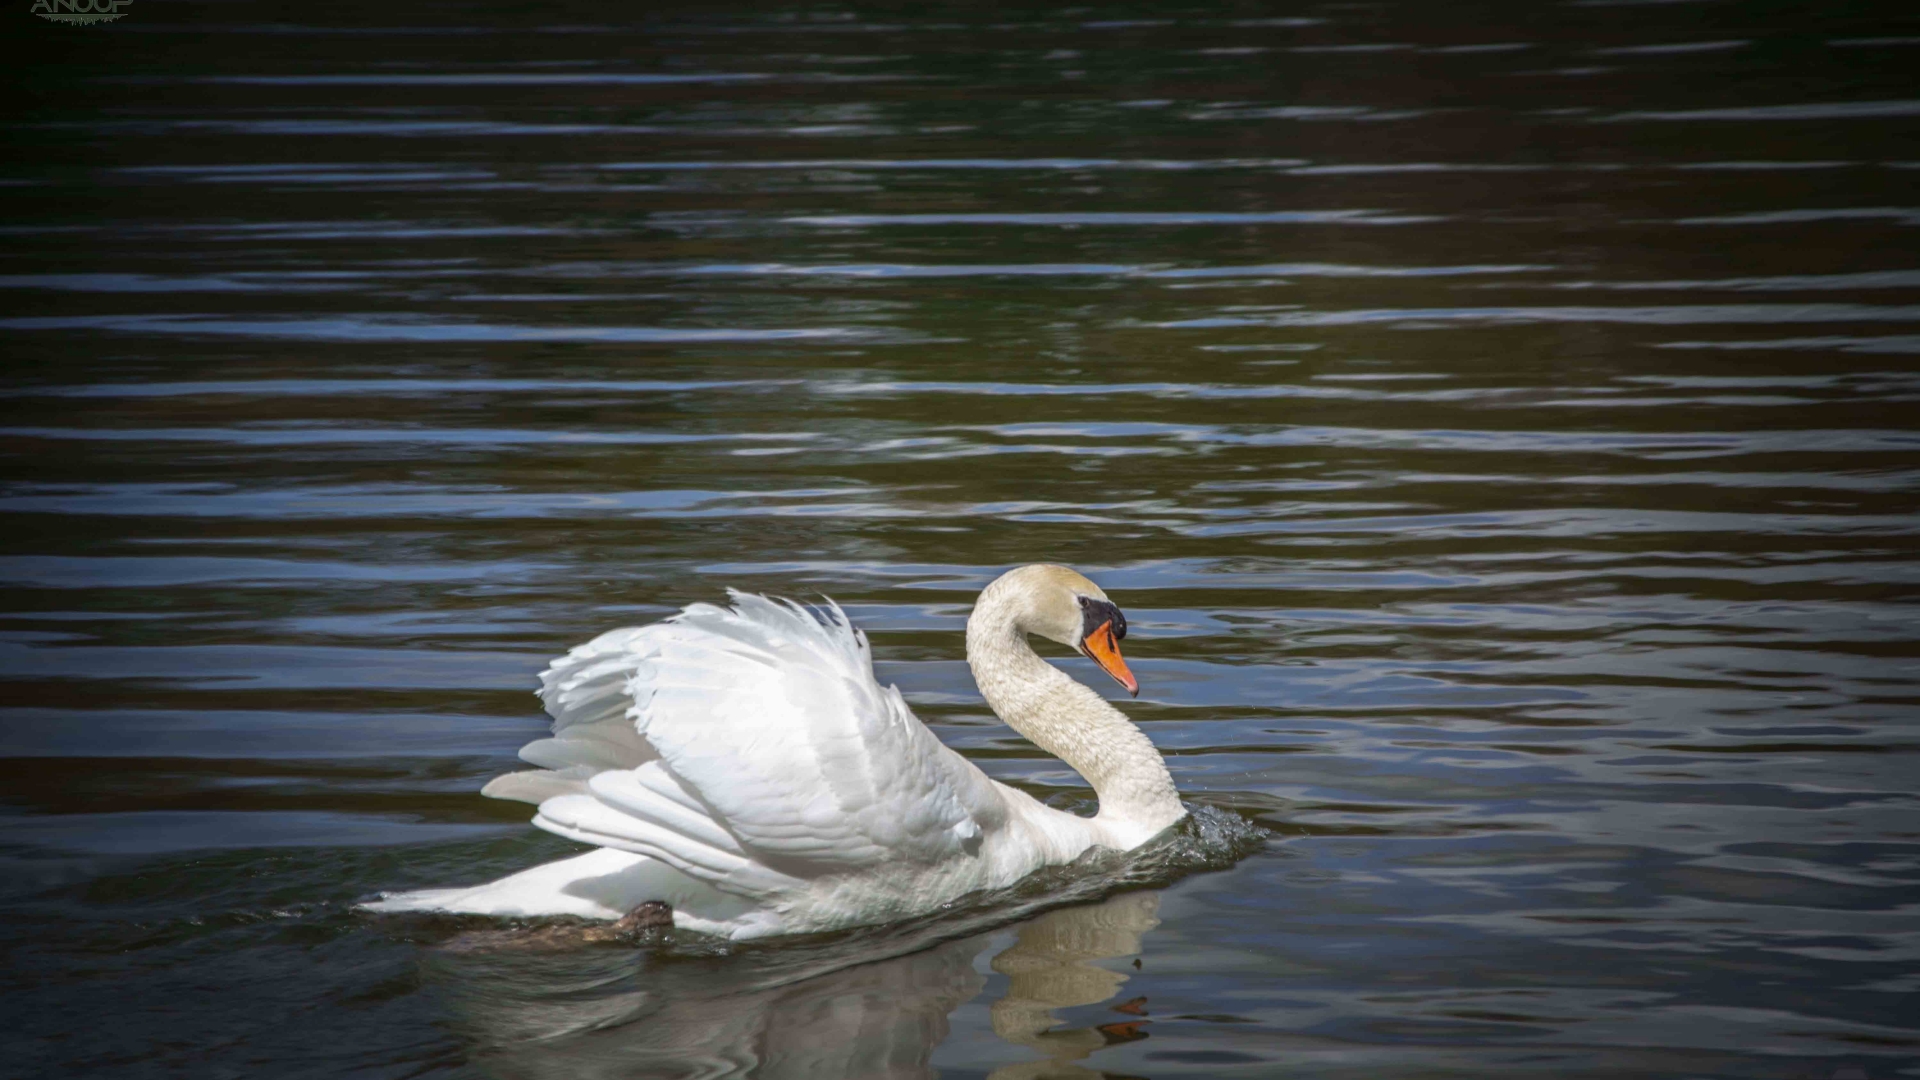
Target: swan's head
column 1060, row 604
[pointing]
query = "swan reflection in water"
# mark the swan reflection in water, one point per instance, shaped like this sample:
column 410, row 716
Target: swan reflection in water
column 840, row 1010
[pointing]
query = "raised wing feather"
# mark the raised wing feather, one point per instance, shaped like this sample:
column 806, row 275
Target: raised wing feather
column 586, row 693
column 760, row 749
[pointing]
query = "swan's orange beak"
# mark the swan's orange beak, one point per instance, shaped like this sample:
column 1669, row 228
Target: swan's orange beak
column 1106, row 652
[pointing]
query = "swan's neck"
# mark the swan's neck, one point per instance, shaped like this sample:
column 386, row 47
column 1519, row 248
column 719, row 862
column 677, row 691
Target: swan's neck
column 1071, row 722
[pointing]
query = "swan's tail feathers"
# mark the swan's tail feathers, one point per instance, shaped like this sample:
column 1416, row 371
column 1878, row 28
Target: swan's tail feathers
column 600, row 884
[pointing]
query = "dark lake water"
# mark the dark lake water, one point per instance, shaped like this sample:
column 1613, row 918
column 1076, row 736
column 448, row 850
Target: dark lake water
column 1501, row 425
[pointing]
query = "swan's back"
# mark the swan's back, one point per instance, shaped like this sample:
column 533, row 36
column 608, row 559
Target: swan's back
column 750, row 748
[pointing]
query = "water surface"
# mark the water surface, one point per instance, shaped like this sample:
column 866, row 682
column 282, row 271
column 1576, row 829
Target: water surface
column 1499, row 426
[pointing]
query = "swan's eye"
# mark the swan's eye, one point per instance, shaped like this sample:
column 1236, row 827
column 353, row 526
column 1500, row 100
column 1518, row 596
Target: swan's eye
column 1097, row 613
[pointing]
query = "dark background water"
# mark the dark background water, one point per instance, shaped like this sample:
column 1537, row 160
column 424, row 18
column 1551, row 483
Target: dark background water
column 1498, row 421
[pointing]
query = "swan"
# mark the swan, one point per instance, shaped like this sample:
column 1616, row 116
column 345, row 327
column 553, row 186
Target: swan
column 742, row 765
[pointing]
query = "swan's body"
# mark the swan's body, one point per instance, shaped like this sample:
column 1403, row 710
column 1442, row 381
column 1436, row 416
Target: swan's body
column 742, row 765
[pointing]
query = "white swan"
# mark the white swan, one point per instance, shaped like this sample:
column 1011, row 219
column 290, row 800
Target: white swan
column 742, row 765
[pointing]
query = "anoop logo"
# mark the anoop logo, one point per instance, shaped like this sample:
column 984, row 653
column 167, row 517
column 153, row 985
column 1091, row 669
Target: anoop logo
column 81, row 11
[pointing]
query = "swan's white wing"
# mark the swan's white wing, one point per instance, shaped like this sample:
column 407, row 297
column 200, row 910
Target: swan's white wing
column 767, row 752
column 586, row 693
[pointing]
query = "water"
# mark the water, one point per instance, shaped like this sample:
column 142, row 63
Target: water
column 1498, row 427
